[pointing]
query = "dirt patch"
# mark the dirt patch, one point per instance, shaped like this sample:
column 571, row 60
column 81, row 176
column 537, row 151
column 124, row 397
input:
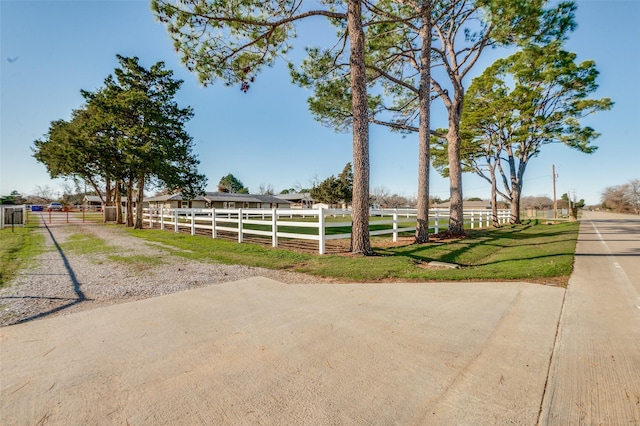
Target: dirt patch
column 437, row 265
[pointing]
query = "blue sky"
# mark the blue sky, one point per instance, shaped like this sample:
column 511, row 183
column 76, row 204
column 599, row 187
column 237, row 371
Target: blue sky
column 50, row 50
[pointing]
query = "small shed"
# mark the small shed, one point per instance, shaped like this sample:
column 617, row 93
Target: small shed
column 12, row 215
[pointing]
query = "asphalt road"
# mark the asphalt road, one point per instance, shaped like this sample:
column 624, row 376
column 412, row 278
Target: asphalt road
column 262, row 352
column 595, row 372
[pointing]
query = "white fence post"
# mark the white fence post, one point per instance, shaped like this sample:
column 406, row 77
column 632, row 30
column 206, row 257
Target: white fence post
column 321, row 229
column 193, row 222
column 395, row 226
column 488, row 219
column 175, row 219
column 239, row 225
column 162, row 218
column 274, row 227
column 473, row 218
column 435, row 223
column 213, row 222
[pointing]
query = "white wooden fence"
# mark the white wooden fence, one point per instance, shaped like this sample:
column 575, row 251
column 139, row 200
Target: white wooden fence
column 305, row 224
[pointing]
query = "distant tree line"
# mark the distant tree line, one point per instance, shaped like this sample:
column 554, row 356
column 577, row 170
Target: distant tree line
column 623, row 198
column 335, row 190
column 13, row 198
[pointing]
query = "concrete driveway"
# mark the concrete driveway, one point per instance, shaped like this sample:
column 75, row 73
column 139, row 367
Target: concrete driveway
column 262, row 352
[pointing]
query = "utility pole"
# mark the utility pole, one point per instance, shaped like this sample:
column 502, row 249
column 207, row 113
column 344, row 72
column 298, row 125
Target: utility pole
column 555, row 201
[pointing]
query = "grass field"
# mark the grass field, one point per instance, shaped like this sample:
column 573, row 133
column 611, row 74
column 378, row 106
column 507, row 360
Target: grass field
column 533, row 251
column 18, row 247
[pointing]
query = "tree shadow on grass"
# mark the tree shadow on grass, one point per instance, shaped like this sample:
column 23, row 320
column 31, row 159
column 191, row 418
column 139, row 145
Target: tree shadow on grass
column 490, row 242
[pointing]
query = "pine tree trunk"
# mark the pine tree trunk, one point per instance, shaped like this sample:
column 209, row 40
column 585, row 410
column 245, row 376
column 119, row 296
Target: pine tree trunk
column 130, row 202
column 108, row 196
column 139, row 201
column 424, row 134
column 360, row 241
column 494, row 198
column 456, row 212
column 515, row 203
column 516, row 187
column 117, row 197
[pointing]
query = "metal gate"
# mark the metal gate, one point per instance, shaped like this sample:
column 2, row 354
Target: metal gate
column 68, row 216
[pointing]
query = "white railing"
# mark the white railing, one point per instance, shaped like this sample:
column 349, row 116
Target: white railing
column 305, row 224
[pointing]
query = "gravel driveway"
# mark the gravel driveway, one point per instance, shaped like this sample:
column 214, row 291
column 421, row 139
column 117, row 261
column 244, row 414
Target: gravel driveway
column 62, row 281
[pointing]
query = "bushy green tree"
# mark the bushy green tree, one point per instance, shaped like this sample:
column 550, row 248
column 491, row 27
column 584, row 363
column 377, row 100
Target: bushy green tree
column 130, row 131
column 84, row 148
column 535, row 97
column 334, row 190
column 230, row 183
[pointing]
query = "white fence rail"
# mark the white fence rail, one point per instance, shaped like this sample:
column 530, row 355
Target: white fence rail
column 307, row 224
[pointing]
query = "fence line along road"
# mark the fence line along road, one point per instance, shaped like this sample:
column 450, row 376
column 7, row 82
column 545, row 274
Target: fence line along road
column 319, row 225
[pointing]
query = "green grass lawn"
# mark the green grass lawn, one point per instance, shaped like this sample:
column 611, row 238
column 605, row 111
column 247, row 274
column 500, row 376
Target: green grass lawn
column 17, row 249
column 92, row 245
column 532, row 251
column 86, row 244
